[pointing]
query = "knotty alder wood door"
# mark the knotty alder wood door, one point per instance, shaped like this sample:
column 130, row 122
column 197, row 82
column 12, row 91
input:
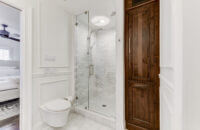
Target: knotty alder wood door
column 142, row 65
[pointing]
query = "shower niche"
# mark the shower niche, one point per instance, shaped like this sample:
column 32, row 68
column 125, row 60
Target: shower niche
column 95, row 67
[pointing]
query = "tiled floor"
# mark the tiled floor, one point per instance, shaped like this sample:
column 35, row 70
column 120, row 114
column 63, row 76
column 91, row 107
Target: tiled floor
column 79, row 122
column 96, row 104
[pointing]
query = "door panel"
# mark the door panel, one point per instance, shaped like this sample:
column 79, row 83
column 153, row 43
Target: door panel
column 142, row 67
column 139, row 45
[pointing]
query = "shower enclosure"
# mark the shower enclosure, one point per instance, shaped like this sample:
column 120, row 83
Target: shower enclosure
column 95, row 67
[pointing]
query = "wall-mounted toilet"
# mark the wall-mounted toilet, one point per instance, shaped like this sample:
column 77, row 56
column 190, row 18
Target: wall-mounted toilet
column 55, row 113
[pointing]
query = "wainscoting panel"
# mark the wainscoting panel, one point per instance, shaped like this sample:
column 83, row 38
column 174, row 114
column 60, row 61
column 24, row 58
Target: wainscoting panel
column 52, row 56
column 46, row 89
column 53, row 89
column 166, row 102
column 55, row 35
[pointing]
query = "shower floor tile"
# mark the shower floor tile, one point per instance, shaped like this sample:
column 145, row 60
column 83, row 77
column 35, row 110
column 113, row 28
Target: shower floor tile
column 79, row 122
column 96, row 104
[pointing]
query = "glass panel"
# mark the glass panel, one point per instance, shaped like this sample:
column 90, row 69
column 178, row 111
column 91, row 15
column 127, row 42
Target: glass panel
column 95, row 67
column 102, row 68
column 82, row 70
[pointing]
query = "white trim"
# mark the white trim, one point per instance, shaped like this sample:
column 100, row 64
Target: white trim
column 14, row 5
column 51, row 82
column 26, row 70
column 167, row 102
column 167, row 67
column 66, row 65
column 42, row 84
column 43, row 75
column 26, row 66
column 178, row 64
column 120, row 86
column 170, row 85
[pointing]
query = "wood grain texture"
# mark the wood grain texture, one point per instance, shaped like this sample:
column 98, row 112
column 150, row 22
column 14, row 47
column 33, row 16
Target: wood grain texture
column 142, row 65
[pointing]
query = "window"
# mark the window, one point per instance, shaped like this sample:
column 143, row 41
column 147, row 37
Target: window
column 4, row 54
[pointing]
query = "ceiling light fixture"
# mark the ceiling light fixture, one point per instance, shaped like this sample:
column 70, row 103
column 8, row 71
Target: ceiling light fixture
column 100, row 21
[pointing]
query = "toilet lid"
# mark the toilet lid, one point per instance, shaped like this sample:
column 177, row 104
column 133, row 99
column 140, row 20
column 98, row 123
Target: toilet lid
column 58, row 105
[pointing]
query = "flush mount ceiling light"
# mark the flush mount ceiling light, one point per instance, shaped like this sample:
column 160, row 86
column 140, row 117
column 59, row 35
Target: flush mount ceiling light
column 100, row 21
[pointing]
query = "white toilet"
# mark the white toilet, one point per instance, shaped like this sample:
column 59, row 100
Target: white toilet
column 55, row 113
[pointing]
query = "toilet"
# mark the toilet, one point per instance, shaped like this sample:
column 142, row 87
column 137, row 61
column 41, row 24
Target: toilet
column 55, row 113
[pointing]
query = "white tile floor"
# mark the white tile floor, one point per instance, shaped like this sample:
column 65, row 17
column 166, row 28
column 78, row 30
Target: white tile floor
column 79, row 122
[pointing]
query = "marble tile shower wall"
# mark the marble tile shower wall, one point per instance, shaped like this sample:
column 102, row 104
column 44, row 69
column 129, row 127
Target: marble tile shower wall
column 102, row 82
column 103, row 58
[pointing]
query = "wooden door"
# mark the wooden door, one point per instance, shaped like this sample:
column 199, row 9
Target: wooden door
column 142, row 66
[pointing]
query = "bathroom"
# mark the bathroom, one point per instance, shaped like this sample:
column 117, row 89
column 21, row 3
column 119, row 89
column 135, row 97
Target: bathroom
column 69, row 55
column 82, row 74
column 99, row 64
column 90, row 84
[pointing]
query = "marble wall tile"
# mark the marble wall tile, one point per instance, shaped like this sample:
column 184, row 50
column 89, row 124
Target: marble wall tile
column 101, row 83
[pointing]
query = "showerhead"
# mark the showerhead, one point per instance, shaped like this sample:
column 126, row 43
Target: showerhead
column 94, row 31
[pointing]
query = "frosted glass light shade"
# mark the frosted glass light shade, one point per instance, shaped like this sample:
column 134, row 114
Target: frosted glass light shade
column 100, row 21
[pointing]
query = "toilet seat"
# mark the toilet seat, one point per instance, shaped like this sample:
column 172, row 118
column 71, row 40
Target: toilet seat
column 58, row 105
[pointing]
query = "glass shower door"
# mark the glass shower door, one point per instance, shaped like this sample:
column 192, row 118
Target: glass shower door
column 95, row 67
column 82, row 60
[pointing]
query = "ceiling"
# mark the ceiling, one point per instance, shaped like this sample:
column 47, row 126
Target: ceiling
column 95, row 8
column 11, row 17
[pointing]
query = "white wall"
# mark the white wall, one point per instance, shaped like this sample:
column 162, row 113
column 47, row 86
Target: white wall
column 167, row 89
column 191, row 53
column 52, row 46
column 171, row 65
column 51, row 53
column 120, row 84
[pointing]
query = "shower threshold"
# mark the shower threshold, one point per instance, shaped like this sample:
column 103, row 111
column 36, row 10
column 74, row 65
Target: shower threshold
column 98, row 117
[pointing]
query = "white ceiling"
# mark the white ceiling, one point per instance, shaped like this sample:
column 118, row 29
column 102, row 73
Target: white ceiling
column 95, row 7
column 11, row 17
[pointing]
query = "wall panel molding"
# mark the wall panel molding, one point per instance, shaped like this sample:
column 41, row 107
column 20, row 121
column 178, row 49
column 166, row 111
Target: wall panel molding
column 50, row 58
column 169, row 84
column 44, row 83
column 43, row 75
column 166, row 67
column 51, row 82
column 167, row 103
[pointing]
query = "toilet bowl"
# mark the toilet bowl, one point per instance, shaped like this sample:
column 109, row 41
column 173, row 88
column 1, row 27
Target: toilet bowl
column 55, row 113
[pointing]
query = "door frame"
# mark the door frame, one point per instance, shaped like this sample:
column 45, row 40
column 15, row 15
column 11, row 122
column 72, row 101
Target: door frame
column 25, row 64
column 120, row 68
column 177, row 66
column 156, row 106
